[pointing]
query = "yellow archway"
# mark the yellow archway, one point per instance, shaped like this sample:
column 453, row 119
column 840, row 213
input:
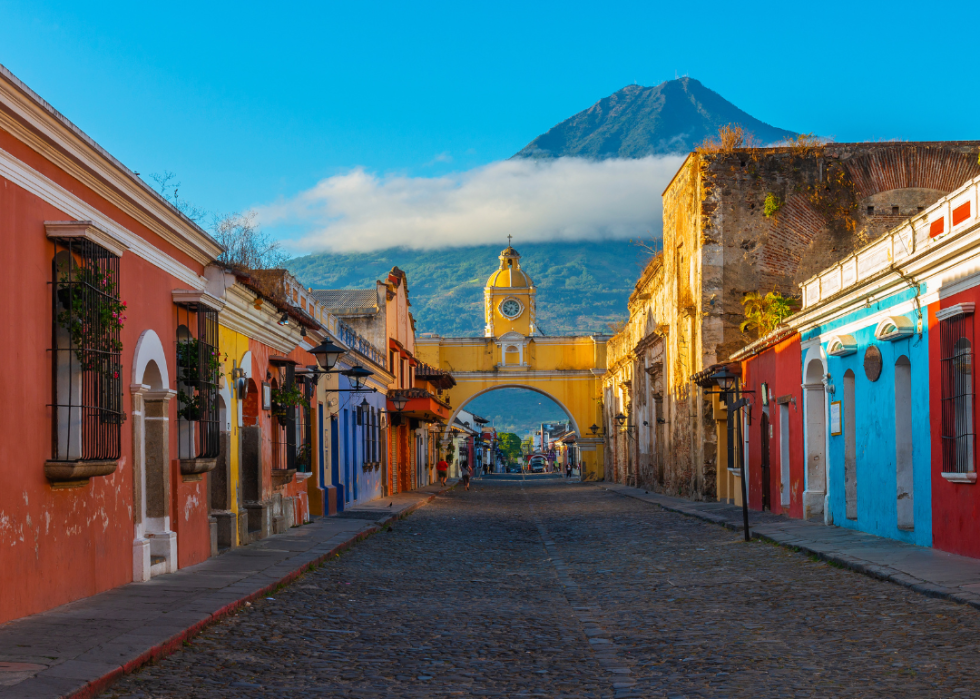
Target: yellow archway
column 567, row 369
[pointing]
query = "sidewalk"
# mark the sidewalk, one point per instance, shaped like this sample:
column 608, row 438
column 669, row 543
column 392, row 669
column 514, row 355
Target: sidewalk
column 925, row 570
column 79, row 649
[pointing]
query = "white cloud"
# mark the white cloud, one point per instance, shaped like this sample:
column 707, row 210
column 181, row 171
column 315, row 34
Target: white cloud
column 533, row 200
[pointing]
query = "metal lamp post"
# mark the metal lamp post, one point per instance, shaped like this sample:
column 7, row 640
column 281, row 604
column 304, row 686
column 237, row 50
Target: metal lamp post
column 728, row 383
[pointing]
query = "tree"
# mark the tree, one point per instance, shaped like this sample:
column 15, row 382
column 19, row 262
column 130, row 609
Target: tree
column 765, row 313
column 247, row 247
column 730, row 137
column 169, row 189
column 510, row 445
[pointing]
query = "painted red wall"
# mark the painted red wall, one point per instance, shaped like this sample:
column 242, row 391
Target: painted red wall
column 61, row 545
column 955, row 506
column 778, row 366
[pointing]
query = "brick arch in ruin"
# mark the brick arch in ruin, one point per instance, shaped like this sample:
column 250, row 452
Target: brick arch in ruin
column 932, row 171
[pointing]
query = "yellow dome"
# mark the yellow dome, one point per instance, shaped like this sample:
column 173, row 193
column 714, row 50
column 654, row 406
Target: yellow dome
column 509, row 275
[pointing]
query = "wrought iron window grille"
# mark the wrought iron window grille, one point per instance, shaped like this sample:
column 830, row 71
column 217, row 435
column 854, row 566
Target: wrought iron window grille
column 958, row 402
column 87, row 320
column 198, row 378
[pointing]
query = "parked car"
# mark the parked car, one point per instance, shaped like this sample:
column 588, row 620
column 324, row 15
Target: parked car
column 514, row 468
column 537, row 464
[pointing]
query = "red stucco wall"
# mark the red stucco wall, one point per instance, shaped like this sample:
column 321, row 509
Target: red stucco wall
column 778, row 366
column 60, row 545
column 955, row 506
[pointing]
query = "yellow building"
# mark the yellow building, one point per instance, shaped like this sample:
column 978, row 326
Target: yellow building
column 567, row 369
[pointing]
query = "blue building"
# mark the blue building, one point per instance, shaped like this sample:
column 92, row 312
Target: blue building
column 865, row 363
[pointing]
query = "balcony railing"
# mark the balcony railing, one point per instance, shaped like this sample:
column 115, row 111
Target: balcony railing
column 359, row 344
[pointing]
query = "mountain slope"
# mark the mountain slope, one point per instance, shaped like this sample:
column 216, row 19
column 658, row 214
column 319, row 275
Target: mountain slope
column 582, row 286
column 637, row 121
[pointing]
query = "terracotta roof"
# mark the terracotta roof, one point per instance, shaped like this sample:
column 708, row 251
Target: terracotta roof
column 348, row 301
column 260, row 288
column 438, row 377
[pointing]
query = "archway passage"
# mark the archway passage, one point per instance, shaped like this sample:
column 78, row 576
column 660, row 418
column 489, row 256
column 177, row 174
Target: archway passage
column 567, row 369
column 525, row 422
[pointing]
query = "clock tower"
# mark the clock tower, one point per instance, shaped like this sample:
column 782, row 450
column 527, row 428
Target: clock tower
column 509, row 298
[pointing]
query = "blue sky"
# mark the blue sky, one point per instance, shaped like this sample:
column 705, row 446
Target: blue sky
column 254, row 103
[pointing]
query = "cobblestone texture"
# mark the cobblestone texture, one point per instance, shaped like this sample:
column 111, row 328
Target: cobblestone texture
column 559, row 590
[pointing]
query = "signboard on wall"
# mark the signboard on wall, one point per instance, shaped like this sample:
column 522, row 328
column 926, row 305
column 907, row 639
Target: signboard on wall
column 835, row 421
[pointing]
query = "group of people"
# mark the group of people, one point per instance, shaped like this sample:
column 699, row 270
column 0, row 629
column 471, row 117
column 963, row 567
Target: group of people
column 466, row 471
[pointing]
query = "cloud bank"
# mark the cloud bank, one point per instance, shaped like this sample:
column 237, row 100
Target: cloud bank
column 533, row 200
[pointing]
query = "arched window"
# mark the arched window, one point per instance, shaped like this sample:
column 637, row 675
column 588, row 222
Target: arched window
column 894, row 328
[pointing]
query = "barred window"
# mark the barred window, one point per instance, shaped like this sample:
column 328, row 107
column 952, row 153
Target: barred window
column 198, row 373
column 291, row 442
column 958, row 438
column 304, row 426
column 88, row 317
column 283, row 438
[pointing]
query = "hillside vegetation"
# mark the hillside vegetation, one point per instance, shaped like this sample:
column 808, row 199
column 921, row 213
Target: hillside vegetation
column 582, row 286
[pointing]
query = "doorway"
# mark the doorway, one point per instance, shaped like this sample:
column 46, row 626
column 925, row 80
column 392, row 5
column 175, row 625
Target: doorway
column 816, row 440
column 155, row 542
column 765, row 426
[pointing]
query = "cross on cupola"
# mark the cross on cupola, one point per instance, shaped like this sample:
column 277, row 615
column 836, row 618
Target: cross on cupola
column 508, row 240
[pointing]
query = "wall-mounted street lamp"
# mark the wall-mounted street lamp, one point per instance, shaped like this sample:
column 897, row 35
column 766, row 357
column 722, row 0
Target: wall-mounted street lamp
column 620, row 419
column 727, row 382
column 327, row 354
column 399, row 402
column 284, row 319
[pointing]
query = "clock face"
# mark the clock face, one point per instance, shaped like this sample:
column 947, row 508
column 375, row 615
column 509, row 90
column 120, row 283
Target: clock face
column 510, row 308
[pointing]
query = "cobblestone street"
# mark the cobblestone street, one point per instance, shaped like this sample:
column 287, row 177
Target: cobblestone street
column 553, row 590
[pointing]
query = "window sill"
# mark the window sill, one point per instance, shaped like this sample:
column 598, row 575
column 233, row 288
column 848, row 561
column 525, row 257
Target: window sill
column 190, row 467
column 737, row 472
column 67, row 474
column 282, row 476
column 961, row 477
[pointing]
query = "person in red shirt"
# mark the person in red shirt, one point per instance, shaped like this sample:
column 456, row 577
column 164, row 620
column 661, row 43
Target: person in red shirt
column 443, row 469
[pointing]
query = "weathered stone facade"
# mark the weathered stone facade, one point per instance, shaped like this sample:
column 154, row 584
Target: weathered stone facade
column 719, row 244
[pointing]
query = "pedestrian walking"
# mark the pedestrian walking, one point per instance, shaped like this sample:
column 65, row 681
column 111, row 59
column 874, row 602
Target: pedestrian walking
column 466, row 472
column 442, row 468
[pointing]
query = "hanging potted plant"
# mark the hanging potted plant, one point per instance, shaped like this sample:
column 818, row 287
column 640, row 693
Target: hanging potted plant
column 303, row 458
column 285, row 400
column 192, row 368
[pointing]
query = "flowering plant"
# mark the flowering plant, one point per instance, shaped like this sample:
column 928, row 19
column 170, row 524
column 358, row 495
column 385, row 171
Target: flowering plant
column 287, row 398
column 92, row 314
column 195, row 367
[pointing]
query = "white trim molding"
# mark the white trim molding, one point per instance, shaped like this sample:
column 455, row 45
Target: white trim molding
column 85, row 230
column 40, row 186
column 960, row 309
column 185, row 297
column 961, row 477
